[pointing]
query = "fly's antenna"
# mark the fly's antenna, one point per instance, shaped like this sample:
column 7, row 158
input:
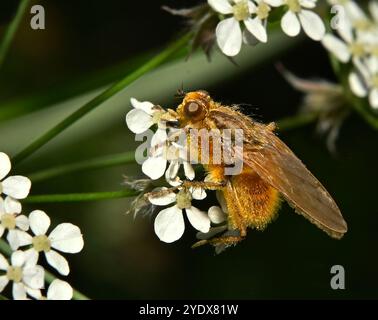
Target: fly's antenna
column 180, row 92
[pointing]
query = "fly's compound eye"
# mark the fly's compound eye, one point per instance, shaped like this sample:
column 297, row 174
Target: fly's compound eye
column 194, row 110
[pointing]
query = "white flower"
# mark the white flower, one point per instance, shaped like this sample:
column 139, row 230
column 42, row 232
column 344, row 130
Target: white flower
column 364, row 81
column 9, row 218
column 228, row 31
column 143, row 116
column 162, row 151
column 298, row 15
column 348, row 46
column 59, row 290
column 26, row 276
column 65, row 237
column 17, row 187
column 169, row 223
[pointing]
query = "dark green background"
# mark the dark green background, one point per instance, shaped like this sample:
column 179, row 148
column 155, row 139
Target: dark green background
column 122, row 257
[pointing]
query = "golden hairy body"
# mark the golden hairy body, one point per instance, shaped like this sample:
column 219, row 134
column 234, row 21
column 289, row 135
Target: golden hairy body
column 270, row 172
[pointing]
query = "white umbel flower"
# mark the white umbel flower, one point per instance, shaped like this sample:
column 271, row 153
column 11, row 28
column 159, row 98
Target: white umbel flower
column 65, row 237
column 348, row 46
column 10, row 219
column 17, row 187
column 228, row 31
column 364, row 81
column 162, row 151
column 169, row 223
column 298, row 16
column 143, row 116
column 25, row 275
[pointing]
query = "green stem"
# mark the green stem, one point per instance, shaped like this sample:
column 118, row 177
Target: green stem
column 96, row 163
column 49, row 277
column 98, row 100
column 284, row 124
column 11, row 30
column 3, row 298
column 297, row 121
column 80, row 197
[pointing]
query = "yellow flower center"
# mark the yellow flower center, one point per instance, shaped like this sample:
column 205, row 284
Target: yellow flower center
column 363, row 24
column 184, row 199
column 294, row 5
column 41, row 243
column 241, row 10
column 262, row 11
column 14, row 274
column 357, row 49
column 8, row 221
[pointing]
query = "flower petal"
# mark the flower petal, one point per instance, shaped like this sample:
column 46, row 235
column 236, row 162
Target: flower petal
column 18, row 238
column 163, row 200
column 2, row 229
column 18, row 291
column 173, row 169
column 5, row 165
column 138, row 121
column 198, row 219
column 18, row 258
column 3, row 263
column 31, row 257
column 357, row 86
column 198, row 193
column 188, row 170
column 274, row 3
column 17, row 187
column 312, row 24
column 154, row 167
column 221, row 6
column 12, row 205
column 336, row 47
column 255, row 27
column 229, row 36
column 59, row 290
column 145, row 106
column 310, row 4
column 34, row 277
column 169, row 224
column 159, row 138
column 39, row 222
column 34, row 293
column 3, row 282
column 373, row 98
column 58, row 262
column 290, row 24
column 216, row 215
column 67, row 237
column 22, row 222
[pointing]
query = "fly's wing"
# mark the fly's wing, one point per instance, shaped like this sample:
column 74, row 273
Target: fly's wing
column 275, row 163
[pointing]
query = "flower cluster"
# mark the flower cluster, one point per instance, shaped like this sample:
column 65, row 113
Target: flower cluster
column 246, row 20
column 166, row 155
column 356, row 42
column 23, row 269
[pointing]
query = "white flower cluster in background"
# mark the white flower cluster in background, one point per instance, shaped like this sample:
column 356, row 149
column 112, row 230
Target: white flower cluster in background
column 165, row 158
column 356, row 42
column 22, row 270
column 246, row 20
